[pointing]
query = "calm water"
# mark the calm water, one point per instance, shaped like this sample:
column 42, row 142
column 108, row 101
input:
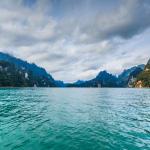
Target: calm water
column 74, row 119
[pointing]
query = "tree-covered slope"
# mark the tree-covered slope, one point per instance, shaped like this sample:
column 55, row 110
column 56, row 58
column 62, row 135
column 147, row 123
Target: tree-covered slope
column 143, row 79
column 38, row 76
column 128, row 76
column 11, row 76
column 36, row 70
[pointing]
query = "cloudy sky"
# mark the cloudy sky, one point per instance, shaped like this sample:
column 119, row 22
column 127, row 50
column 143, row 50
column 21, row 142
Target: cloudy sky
column 75, row 39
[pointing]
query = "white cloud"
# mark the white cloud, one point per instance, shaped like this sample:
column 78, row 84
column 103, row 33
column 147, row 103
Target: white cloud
column 76, row 39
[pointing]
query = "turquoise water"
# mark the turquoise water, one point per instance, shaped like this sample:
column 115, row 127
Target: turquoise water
column 74, row 119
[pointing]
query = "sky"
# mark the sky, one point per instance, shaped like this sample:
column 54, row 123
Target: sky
column 76, row 39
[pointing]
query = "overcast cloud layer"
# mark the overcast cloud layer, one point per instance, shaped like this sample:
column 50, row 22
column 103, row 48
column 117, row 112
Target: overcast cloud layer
column 75, row 39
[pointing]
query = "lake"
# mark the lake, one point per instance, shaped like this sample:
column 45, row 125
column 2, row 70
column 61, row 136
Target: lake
column 74, row 119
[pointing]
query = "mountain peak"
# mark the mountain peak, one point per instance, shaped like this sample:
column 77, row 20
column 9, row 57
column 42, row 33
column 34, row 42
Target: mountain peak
column 148, row 63
column 103, row 73
column 38, row 72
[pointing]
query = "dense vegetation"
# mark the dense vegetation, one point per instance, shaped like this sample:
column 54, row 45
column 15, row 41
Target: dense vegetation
column 11, row 76
column 144, row 76
column 125, row 79
column 15, row 72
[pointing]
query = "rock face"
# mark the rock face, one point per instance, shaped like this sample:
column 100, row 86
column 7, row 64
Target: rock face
column 128, row 76
column 143, row 79
column 138, row 84
column 148, row 63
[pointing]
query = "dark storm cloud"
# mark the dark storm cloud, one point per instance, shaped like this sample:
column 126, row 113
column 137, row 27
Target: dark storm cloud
column 138, row 13
column 125, row 21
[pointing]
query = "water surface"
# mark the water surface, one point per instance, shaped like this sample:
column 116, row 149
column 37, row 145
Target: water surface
column 74, row 119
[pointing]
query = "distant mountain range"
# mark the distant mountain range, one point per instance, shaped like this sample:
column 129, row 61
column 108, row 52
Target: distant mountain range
column 105, row 79
column 15, row 72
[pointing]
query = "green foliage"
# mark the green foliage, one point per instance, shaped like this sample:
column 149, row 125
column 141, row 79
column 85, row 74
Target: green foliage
column 11, row 76
column 145, row 76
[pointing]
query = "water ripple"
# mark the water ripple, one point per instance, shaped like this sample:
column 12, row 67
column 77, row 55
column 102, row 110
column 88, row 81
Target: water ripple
column 74, row 119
